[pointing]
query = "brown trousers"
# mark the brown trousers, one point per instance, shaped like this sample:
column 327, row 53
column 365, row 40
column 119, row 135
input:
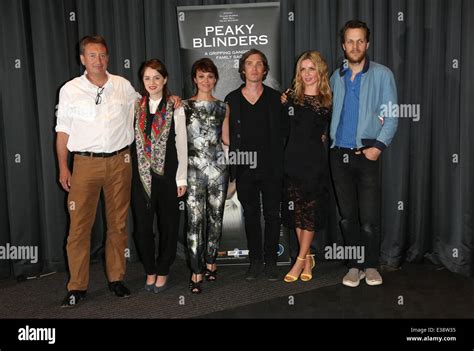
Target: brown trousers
column 90, row 176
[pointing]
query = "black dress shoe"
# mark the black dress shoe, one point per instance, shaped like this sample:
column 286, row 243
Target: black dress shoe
column 254, row 271
column 73, row 297
column 271, row 272
column 119, row 289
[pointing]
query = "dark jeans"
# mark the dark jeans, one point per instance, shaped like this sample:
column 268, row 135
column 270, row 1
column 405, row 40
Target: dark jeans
column 357, row 186
column 250, row 183
column 164, row 202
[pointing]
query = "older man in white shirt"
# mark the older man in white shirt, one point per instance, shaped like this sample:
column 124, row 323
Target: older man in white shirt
column 95, row 123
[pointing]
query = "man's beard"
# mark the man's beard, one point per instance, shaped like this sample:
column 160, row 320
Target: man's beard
column 359, row 59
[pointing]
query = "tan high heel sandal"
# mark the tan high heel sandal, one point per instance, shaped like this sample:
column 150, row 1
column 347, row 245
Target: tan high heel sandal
column 308, row 276
column 291, row 278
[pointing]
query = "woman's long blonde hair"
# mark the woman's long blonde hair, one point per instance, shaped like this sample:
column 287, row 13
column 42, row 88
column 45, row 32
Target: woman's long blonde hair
column 323, row 83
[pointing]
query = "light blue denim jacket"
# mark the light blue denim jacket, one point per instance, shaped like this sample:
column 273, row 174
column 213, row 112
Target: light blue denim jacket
column 378, row 93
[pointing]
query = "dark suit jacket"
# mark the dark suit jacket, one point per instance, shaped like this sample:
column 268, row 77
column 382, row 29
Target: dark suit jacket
column 277, row 133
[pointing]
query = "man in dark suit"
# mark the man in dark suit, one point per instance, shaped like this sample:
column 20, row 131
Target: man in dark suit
column 257, row 133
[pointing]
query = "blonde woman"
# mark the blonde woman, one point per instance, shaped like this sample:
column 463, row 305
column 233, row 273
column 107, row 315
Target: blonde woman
column 306, row 169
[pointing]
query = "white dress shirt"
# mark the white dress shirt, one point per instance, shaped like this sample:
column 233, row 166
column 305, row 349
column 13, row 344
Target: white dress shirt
column 181, row 141
column 103, row 127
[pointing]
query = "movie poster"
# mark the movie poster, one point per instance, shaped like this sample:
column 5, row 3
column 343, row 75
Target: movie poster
column 224, row 33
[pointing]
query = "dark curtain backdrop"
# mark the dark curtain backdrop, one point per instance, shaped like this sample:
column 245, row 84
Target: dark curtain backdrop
column 428, row 176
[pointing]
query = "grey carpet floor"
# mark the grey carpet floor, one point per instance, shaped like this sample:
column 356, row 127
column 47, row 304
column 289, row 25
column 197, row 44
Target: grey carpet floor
column 40, row 298
column 415, row 291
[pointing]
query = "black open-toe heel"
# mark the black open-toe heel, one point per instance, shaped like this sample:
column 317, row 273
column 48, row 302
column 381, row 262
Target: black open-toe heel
column 211, row 276
column 195, row 287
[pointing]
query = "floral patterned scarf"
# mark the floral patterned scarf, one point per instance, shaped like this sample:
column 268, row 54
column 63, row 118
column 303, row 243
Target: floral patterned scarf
column 151, row 148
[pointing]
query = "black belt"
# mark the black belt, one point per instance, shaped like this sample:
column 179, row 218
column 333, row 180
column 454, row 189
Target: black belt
column 100, row 154
column 347, row 149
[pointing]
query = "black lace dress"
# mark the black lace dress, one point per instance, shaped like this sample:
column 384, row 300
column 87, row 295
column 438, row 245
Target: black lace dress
column 306, row 180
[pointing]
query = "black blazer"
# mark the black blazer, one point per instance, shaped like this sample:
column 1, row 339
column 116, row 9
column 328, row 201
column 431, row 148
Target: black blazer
column 277, row 122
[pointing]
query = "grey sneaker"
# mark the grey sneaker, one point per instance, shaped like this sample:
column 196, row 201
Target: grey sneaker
column 254, row 271
column 353, row 277
column 373, row 277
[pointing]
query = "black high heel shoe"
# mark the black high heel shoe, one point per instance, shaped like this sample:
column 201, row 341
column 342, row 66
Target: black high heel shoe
column 195, row 287
column 211, row 276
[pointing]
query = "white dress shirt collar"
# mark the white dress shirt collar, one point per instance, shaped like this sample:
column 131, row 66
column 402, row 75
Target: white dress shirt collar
column 91, row 85
column 153, row 104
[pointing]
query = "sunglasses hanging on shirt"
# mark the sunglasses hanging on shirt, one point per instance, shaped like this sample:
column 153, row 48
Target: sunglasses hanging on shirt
column 98, row 98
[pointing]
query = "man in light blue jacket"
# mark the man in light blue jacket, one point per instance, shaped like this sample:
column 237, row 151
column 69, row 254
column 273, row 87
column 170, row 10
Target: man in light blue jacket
column 361, row 128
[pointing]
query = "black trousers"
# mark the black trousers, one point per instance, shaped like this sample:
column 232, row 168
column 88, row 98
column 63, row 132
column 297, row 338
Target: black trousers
column 250, row 184
column 164, row 202
column 357, row 186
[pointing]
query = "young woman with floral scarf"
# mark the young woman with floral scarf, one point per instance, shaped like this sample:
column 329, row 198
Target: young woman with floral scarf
column 159, row 157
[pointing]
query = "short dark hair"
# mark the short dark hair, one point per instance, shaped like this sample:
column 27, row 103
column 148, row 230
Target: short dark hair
column 205, row 65
column 92, row 39
column 156, row 65
column 354, row 24
column 246, row 56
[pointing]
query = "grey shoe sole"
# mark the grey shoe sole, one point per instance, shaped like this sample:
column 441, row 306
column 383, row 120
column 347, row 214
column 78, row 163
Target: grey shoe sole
column 373, row 282
column 353, row 284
